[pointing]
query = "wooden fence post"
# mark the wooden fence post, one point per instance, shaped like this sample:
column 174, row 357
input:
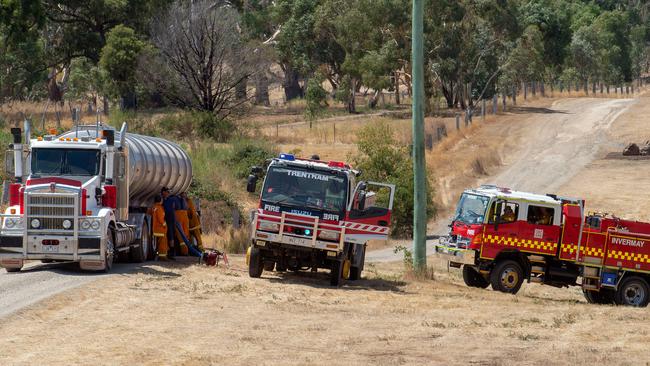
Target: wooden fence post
column 334, row 139
column 457, row 121
column 503, row 97
column 494, row 104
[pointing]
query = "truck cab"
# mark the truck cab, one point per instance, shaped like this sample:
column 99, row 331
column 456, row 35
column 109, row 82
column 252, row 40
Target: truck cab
column 502, row 237
column 82, row 196
column 314, row 214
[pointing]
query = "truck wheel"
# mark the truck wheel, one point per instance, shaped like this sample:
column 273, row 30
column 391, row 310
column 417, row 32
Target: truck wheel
column 336, row 275
column 255, row 264
column 507, row 276
column 109, row 256
column 268, row 266
column 633, row 291
column 14, row 269
column 602, row 297
column 474, row 279
column 140, row 254
column 355, row 273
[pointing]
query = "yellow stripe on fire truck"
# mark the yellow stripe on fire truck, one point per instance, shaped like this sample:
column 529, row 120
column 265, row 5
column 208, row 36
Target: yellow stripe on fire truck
column 592, row 252
column 627, row 256
column 366, row 227
column 520, row 243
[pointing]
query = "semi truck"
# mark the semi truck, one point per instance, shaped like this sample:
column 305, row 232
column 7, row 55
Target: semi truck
column 82, row 196
column 314, row 214
column 501, row 238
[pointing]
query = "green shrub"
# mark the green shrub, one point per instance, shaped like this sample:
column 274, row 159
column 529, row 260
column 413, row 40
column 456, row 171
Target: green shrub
column 316, row 97
column 381, row 158
column 247, row 153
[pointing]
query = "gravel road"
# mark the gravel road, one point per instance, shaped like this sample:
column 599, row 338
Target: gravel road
column 39, row 281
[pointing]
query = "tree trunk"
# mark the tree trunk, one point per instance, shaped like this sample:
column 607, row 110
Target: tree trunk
column 106, row 105
column 262, row 90
column 128, row 101
column 352, row 108
column 240, row 89
column 291, row 85
column 397, row 99
column 448, row 93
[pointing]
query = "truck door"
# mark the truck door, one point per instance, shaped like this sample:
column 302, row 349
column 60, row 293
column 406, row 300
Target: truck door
column 369, row 212
column 571, row 232
column 502, row 230
column 540, row 229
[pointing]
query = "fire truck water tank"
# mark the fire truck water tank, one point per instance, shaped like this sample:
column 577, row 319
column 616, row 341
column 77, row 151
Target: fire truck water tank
column 153, row 163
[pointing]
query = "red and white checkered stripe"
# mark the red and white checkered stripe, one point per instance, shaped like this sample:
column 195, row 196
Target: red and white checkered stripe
column 366, row 227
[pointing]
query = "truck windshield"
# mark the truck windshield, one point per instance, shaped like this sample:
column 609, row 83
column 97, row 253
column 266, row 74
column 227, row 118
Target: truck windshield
column 76, row 162
column 298, row 187
column 471, row 208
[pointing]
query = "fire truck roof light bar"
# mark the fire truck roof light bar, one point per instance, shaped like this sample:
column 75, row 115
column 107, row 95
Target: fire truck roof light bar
column 288, row 157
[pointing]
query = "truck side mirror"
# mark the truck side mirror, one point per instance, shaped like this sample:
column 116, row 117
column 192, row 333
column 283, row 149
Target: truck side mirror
column 252, row 183
column 10, row 168
column 362, row 201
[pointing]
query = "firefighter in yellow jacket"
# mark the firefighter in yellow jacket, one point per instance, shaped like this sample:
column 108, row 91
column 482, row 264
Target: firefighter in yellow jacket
column 159, row 228
column 195, row 224
column 183, row 219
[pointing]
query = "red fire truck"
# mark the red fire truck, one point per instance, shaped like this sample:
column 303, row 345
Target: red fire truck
column 502, row 237
column 313, row 214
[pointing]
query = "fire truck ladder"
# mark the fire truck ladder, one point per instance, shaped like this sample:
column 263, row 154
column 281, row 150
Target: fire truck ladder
column 537, row 268
column 591, row 278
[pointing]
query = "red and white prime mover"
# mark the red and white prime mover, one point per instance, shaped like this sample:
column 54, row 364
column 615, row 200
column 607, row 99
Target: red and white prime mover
column 313, row 214
column 502, row 237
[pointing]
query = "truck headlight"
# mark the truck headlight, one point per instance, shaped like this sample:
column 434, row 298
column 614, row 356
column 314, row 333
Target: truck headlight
column 10, row 223
column 329, row 235
column 269, row 226
column 85, row 224
column 36, row 223
column 94, row 225
column 67, row 224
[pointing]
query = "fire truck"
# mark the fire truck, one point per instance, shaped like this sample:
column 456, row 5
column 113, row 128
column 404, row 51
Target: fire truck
column 314, row 214
column 502, row 238
column 82, row 196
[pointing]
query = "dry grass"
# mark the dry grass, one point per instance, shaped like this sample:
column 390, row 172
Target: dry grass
column 186, row 314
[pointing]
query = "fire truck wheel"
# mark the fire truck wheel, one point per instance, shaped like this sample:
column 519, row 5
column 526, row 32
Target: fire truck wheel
column 355, row 273
column 15, row 269
column 255, row 264
column 109, row 256
column 268, row 266
column 336, row 275
column 139, row 254
column 507, row 276
column 474, row 279
column 633, row 291
column 600, row 297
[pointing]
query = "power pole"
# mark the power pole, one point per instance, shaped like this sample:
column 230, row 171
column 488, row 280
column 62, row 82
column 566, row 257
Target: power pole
column 419, row 169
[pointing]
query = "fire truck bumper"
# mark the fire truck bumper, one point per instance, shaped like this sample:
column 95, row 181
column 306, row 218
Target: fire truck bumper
column 450, row 253
column 306, row 242
column 13, row 253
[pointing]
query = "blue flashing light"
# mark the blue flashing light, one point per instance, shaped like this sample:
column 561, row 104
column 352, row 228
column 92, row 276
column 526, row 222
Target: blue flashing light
column 307, row 232
column 288, row 157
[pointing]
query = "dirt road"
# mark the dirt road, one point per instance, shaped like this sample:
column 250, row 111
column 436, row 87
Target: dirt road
column 39, row 281
column 546, row 149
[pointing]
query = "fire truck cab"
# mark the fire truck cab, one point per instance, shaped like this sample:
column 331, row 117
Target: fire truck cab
column 314, row 214
column 502, row 237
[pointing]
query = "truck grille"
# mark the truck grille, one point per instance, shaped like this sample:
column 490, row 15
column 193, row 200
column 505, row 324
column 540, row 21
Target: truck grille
column 51, row 211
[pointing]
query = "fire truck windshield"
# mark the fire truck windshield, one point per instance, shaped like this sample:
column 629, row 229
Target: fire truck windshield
column 471, row 208
column 297, row 187
column 75, row 162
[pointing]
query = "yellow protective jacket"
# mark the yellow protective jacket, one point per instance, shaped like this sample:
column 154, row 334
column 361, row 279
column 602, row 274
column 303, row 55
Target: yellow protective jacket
column 195, row 220
column 158, row 218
